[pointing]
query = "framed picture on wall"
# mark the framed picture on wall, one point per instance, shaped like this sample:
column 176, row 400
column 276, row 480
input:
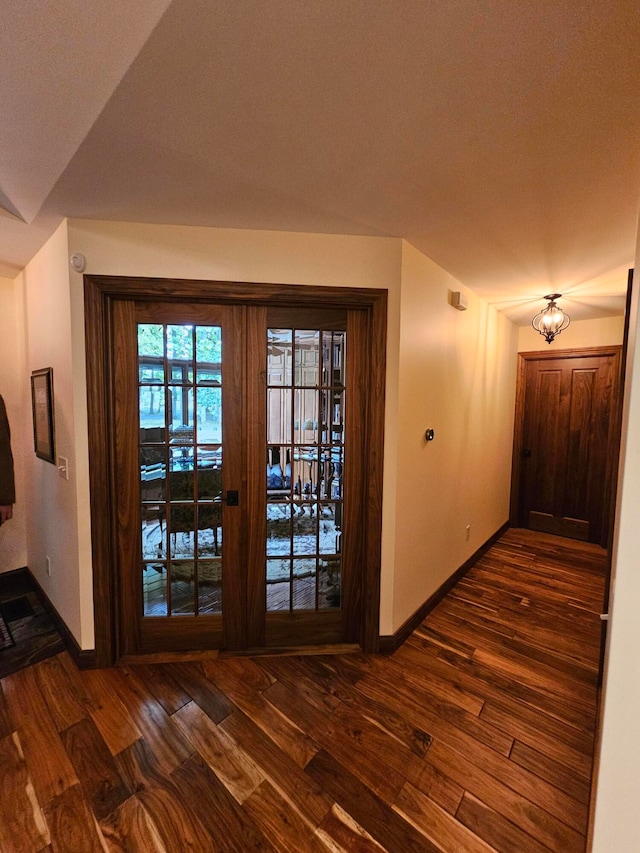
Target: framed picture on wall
column 42, row 406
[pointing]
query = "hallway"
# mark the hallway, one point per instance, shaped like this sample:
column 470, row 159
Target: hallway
column 475, row 736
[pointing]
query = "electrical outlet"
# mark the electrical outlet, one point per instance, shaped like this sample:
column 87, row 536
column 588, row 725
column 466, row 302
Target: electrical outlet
column 468, row 532
column 48, row 565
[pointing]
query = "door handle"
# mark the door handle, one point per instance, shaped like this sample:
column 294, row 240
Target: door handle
column 526, row 454
column 231, row 498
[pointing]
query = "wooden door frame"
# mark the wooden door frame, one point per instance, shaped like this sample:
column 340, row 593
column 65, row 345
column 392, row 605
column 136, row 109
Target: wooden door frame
column 101, row 292
column 614, row 351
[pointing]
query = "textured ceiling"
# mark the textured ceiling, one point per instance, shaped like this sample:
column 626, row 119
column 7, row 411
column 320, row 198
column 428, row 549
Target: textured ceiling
column 499, row 138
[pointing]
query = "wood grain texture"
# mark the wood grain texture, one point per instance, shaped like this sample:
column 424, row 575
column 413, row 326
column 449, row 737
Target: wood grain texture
column 236, row 770
column 23, row 827
column 59, row 687
column 285, row 828
column 476, row 736
column 340, row 831
column 202, row 690
column 107, row 710
column 284, row 774
column 436, row 823
column 96, row 769
column 99, row 354
column 130, row 827
column 254, row 430
column 232, row 830
column 566, row 441
column 125, row 477
column 170, row 807
column 6, row 726
column 49, row 764
column 169, row 745
column 72, row 825
column 371, row 812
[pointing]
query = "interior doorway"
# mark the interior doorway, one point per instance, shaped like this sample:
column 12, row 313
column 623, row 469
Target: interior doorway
column 244, row 443
column 566, row 443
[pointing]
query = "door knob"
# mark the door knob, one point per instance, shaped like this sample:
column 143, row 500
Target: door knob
column 526, row 453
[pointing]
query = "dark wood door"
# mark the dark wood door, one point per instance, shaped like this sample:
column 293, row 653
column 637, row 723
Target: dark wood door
column 239, row 467
column 178, row 456
column 566, row 448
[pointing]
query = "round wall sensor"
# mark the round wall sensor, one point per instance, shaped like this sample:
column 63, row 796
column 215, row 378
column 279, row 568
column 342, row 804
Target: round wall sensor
column 78, row 262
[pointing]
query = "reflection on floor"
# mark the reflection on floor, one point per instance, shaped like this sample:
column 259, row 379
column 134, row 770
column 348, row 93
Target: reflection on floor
column 34, row 634
column 476, row 736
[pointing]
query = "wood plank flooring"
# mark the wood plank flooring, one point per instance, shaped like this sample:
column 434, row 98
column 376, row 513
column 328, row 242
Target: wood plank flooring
column 34, row 633
column 475, row 736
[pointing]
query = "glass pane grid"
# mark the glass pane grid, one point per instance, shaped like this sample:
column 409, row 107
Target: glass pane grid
column 305, row 460
column 180, row 378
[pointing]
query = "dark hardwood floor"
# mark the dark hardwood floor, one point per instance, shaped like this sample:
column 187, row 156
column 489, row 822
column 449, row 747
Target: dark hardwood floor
column 28, row 632
column 475, row 736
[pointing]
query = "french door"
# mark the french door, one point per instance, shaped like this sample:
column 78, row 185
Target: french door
column 240, row 443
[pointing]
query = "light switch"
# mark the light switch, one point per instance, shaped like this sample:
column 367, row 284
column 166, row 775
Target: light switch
column 63, row 467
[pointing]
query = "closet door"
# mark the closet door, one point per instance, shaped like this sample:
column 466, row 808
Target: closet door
column 569, row 443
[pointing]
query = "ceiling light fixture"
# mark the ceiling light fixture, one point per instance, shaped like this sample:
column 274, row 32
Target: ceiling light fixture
column 551, row 320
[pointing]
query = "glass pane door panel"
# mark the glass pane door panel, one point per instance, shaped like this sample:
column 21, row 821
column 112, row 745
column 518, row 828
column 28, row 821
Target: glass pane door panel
column 209, row 424
column 305, row 458
column 153, row 473
column 306, row 358
column 183, row 587
column 305, row 422
column 180, row 402
column 209, row 474
column 154, row 588
column 152, row 413
column 181, row 420
column 305, row 530
column 279, row 357
column 278, row 529
column 333, row 363
column 209, row 534
column 329, row 529
column 330, row 583
column 181, row 458
column 154, row 538
column 180, row 353
column 279, row 416
column 181, row 524
column 210, row 586
column 303, row 586
column 209, row 355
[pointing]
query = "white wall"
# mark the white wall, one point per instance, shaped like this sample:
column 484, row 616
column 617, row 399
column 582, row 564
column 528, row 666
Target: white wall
column 15, row 391
column 52, row 502
column 603, row 332
column 457, row 376
column 617, row 818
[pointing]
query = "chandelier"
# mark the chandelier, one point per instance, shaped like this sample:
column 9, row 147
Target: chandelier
column 551, row 320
